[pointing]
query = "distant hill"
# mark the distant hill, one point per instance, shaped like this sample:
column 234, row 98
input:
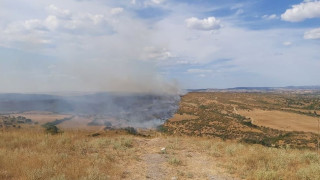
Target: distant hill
column 259, row 89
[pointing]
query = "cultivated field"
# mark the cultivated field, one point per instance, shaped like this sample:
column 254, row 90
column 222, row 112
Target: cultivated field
column 287, row 121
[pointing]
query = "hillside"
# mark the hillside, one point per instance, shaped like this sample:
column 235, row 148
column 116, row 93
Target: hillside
column 232, row 115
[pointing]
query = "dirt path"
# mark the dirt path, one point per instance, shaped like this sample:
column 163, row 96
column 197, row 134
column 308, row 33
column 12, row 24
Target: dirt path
column 235, row 110
column 154, row 160
column 155, row 164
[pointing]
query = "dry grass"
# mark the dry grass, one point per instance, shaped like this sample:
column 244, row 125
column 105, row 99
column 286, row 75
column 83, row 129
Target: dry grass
column 258, row 118
column 258, row 162
column 32, row 154
column 287, row 121
column 41, row 116
column 252, row 161
column 78, row 122
column 181, row 117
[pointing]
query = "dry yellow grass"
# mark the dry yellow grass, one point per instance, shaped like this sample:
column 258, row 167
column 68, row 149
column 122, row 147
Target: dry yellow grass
column 282, row 120
column 41, row 116
column 78, row 122
column 181, row 117
column 32, row 154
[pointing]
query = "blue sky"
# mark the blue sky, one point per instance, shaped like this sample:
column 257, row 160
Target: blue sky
column 157, row 45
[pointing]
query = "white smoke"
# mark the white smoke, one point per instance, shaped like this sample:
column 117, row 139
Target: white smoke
column 92, row 51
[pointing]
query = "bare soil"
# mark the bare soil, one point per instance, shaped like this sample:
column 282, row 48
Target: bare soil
column 157, row 164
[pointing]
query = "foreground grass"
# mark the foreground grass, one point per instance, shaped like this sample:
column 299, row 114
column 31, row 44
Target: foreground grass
column 29, row 154
column 33, row 154
column 259, row 162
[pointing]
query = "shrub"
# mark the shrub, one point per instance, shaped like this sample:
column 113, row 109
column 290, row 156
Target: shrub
column 162, row 128
column 175, row 161
column 52, row 129
column 131, row 130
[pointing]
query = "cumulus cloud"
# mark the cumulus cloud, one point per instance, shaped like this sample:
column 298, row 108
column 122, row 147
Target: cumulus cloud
column 57, row 22
column 51, row 22
column 270, row 17
column 154, row 53
column 312, row 34
column 302, row 11
column 89, row 57
column 33, row 24
column 206, row 24
column 115, row 11
column 59, row 12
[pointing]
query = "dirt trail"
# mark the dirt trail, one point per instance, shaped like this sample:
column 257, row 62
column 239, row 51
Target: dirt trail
column 154, row 160
column 235, row 110
column 155, row 164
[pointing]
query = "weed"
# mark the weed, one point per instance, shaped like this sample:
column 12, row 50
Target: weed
column 175, row 161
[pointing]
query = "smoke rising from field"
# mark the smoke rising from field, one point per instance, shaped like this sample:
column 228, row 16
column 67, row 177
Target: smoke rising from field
column 74, row 49
column 134, row 92
column 112, row 110
column 127, row 76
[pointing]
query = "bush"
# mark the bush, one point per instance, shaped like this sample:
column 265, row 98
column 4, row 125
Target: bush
column 175, row 161
column 162, row 128
column 52, row 129
column 131, row 130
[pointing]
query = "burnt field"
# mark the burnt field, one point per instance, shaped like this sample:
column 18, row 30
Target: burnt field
column 271, row 119
column 99, row 109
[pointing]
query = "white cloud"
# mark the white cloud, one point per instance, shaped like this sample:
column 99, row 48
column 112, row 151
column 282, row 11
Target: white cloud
column 199, row 71
column 154, row 53
column 270, row 17
column 158, row 1
column 51, row 22
column 115, row 11
column 96, row 18
column 233, row 55
column 33, row 24
column 239, row 12
column 207, row 24
column 236, row 6
column 302, row 11
column 61, row 13
column 287, row 43
column 312, row 34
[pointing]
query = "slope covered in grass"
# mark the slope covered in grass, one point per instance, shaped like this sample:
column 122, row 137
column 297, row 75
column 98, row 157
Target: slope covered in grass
column 33, row 154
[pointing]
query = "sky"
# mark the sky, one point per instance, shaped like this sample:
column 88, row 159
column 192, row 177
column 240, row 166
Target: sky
column 157, row 45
